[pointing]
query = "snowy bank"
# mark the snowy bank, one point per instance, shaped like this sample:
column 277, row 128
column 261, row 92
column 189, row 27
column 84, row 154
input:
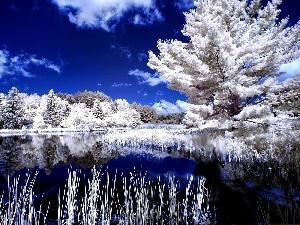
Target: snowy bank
column 11, row 132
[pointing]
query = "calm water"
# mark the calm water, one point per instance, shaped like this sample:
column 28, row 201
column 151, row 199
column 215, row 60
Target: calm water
column 240, row 193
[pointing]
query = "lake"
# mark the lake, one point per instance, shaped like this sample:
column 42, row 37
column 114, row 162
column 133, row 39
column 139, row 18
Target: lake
column 115, row 178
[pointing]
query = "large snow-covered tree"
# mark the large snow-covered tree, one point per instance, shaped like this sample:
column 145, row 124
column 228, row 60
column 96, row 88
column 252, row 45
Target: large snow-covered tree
column 233, row 55
column 13, row 110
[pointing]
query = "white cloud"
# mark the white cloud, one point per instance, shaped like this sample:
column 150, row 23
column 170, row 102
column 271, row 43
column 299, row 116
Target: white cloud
column 290, row 69
column 54, row 67
column 159, row 93
column 3, row 61
column 22, row 63
column 120, row 85
column 184, row 4
column 124, row 50
column 148, row 17
column 164, row 107
column 106, row 14
column 142, row 56
column 147, row 78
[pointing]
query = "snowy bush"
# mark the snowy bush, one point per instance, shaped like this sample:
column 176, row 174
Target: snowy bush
column 125, row 118
column 81, row 117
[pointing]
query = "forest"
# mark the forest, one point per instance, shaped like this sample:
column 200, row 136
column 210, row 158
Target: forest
column 84, row 110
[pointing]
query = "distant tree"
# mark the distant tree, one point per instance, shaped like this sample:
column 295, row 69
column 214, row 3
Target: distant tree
column 170, row 118
column 81, row 117
column 287, row 98
column 31, row 106
column 147, row 113
column 124, row 118
column 233, row 55
column 120, row 105
column 55, row 109
column 67, row 97
column 97, row 110
column 2, row 98
column 12, row 110
column 114, row 107
column 88, row 97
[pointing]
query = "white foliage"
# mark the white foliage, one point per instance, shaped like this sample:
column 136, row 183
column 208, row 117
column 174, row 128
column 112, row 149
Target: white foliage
column 122, row 104
column 254, row 111
column 81, row 117
column 235, row 45
column 192, row 119
column 31, row 105
column 123, row 118
column 12, row 110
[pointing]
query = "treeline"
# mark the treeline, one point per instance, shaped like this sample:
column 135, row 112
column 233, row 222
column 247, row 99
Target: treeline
column 83, row 110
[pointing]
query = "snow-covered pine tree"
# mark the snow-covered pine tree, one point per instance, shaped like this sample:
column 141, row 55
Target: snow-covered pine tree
column 2, row 98
column 52, row 114
column 97, row 110
column 232, row 57
column 13, row 110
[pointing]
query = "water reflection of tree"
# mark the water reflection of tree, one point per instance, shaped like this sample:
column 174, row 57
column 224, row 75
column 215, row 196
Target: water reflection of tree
column 51, row 150
column 11, row 153
column 98, row 155
column 47, row 151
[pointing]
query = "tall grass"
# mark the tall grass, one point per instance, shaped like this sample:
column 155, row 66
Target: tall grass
column 19, row 209
column 135, row 199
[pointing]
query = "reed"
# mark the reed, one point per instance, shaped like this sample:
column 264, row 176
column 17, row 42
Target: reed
column 136, row 199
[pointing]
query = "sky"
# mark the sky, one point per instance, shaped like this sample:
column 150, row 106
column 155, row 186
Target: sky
column 95, row 45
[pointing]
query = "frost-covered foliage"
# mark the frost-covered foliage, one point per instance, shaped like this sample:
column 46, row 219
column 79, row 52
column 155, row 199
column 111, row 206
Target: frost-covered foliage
column 12, row 110
column 61, row 110
column 147, row 113
column 56, row 109
column 2, row 98
column 97, row 110
column 88, row 97
column 169, row 118
column 80, row 117
column 31, row 105
column 229, row 67
column 20, row 110
column 196, row 117
column 286, row 98
column 124, row 116
column 233, row 55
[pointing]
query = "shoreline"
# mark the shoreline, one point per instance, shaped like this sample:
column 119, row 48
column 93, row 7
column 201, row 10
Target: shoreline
column 15, row 132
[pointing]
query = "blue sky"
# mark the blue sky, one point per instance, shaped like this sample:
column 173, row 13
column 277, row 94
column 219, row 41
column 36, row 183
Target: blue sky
column 95, row 45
